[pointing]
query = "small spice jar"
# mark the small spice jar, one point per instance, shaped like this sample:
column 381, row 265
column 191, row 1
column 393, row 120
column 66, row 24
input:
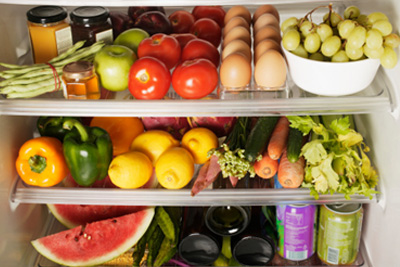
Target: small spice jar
column 91, row 23
column 49, row 32
column 80, row 81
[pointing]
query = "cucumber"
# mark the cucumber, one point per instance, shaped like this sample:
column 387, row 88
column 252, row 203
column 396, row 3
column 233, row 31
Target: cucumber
column 259, row 136
column 294, row 144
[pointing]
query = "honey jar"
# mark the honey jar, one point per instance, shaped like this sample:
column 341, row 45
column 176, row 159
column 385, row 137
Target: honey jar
column 80, row 81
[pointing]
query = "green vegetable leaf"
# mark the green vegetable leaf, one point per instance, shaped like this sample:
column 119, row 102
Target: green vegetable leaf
column 314, row 151
column 352, row 138
column 324, row 176
column 304, row 124
column 341, row 125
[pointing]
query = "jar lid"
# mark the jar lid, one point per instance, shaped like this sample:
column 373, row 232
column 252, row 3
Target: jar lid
column 89, row 14
column 46, row 14
column 78, row 70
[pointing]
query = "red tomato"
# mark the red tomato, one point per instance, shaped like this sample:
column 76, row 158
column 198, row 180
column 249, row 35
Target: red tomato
column 216, row 13
column 183, row 38
column 207, row 29
column 194, row 79
column 161, row 46
column 199, row 48
column 181, row 21
column 149, row 78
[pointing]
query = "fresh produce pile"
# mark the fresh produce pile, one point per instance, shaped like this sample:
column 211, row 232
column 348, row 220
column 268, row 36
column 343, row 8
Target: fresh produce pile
column 26, row 81
column 353, row 36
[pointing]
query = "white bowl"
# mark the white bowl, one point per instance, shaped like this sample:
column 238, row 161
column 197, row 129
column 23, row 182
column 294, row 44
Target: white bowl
column 331, row 78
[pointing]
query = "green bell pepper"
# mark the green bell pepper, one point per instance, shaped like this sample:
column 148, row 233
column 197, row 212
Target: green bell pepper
column 52, row 126
column 88, row 152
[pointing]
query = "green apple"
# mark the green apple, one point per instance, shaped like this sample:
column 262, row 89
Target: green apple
column 112, row 64
column 131, row 38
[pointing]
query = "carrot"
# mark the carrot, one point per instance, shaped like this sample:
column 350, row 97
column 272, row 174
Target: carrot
column 266, row 167
column 279, row 137
column 290, row 175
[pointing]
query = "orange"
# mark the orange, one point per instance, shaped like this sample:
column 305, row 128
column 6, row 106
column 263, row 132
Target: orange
column 122, row 130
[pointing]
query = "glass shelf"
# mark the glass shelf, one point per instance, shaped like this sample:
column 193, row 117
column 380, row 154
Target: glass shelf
column 378, row 97
column 22, row 193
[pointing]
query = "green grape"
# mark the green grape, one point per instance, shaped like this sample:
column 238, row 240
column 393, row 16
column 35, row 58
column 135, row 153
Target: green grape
column 375, row 16
column 317, row 56
column 312, row 42
column 300, row 51
column 291, row 39
column 388, row 58
column 333, row 20
column 392, row 40
column 340, row 56
column 373, row 52
column 290, row 22
column 374, row 39
column 384, row 26
column 351, row 12
column 324, row 31
column 306, row 28
column 354, row 53
column 356, row 38
column 331, row 46
column 362, row 20
column 345, row 27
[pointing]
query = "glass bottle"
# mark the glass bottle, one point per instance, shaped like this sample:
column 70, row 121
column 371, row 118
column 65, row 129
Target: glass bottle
column 80, row 81
column 49, row 32
column 227, row 220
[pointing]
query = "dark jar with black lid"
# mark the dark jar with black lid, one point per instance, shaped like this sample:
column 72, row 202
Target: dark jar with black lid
column 91, row 23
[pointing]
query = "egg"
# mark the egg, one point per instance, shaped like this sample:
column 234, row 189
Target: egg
column 270, row 70
column 237, row 46
column 265, row 9
column 233, row 22
column 266, row 20
column 240, row 11
column 267, row 32
column 264, row 46
column 235, row 71
column 236, row 33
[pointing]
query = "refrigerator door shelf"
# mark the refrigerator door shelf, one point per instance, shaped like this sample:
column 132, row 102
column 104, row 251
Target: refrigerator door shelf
column 113, row 196
column 378, row 97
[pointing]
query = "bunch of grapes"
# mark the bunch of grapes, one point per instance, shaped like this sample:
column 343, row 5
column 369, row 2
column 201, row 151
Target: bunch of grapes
column 354, row 36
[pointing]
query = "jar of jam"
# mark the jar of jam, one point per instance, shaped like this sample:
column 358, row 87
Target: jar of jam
column 91, row 23
column 80, row 81
column 49, row 32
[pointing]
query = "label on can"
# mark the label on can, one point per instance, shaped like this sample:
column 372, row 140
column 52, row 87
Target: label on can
column 339, row 233
column 296, row 226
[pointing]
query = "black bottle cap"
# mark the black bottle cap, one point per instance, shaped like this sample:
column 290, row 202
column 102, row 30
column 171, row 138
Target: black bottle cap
column 89, row 14
column 46, row 14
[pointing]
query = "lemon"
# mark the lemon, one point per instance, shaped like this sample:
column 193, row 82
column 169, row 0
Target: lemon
column 175, row 168
column 130, row 170
column 199, row 141
column 153, row 143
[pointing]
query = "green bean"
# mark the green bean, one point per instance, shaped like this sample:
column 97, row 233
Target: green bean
column 68, row 53
column 28, row 87
column 30, row 94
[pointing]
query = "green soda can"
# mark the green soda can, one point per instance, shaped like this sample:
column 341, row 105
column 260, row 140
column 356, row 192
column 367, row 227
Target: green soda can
column 339, row 233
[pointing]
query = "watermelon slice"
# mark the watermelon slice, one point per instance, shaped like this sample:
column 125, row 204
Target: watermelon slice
column 74, row 215
column 97, row 242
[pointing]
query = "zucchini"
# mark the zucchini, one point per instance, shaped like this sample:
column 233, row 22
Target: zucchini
column 259, row 136
column 294, row 144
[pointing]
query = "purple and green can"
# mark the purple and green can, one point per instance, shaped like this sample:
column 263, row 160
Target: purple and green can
column 297, row 226
column 339, row 233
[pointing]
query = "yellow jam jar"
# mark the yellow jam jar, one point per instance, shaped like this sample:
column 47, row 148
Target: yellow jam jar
column 49, row 31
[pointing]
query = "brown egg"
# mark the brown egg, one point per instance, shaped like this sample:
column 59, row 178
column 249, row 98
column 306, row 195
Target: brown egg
column 265, row 45
column 265, row 9
column 266, row 20
column 268, row 32
column 235, row 71
column 238, row 32
column 240, row 11
column 237, row 46
column 233, row 22
column 270, row 70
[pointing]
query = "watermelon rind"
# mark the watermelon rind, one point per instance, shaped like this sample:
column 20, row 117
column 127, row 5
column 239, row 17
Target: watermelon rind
column 128, row 243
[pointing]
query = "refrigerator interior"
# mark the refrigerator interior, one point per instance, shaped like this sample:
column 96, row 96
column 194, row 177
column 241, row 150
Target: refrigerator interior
column 378, row 122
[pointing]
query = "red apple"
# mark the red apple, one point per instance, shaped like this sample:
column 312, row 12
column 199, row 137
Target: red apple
column 135, row 11
column 181, row 21
column 154, row 22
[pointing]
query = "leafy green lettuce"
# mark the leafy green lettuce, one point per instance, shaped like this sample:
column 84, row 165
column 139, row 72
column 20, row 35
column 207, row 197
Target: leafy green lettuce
column 336, row 159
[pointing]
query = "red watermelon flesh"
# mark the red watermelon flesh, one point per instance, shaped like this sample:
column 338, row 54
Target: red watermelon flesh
column 97, row 242
column 73, row 215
